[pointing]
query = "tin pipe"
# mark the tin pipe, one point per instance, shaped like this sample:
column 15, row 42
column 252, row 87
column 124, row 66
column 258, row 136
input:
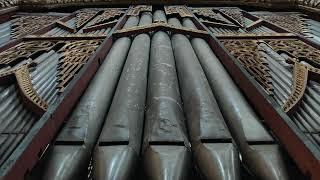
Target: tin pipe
column 165, row 122
column 70, row 156
column 116, row 154
column 238, row 114
column 159, row 15
column 207, row 131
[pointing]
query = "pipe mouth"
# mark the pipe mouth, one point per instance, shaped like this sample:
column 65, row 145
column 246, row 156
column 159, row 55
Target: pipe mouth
column 167, row 162
column 217, row 161
column 114, row 162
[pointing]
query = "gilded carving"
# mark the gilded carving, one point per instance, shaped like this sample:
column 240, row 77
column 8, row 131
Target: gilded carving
column 209, row 14
column 181, row 10
column 23, row 51
column 247, row 53
column 23, row 25
column 108, row 16
column 84, row 15
column 75, row 54
column 292, row 22
column 27, row 90
column 9, row 3
column 136, row 10
column 29, row 95
column 235, row 14
column 297, row 49
column 300, row 79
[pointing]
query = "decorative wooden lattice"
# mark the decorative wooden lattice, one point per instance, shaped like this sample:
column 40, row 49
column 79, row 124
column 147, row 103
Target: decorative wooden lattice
column 235, row 14
column 84, row 15
column 75, row 54
column 108, row 16
column 23, row 25
column 297, row 49
column 136, row 10
column 246, row 51
column 181, row 10
column 292, row 22
column 24, row 50
column 209, row 14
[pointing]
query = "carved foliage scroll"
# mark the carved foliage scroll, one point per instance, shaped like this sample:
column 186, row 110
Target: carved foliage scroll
column 136, row 10
column 181, row 10
column 297, row 49
column 26, row 88
column 108, row 15
column 83, row 16
column 300, row 79
column 290, row 22
column 209, row 14
column 74, row 55
column 246, row 51
column 23, row 25
column 234, row 13
column 24, row 50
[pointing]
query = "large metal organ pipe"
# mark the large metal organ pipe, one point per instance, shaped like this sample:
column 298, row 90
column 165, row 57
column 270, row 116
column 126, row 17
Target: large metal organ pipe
column 166, row 149
column 117, row 153
column 83, row 127
column 214, row 153
column 243, row 123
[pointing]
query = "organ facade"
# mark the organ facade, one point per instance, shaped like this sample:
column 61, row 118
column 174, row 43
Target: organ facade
column 136, row 90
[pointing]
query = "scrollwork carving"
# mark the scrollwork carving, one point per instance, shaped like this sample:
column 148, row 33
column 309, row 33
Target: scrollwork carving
column 108, row 16
column 136, row 10
column 292, row 22
column 297, row 49
column 75, row 54
column 181, row 10
column 235, row 14
column 209, row 14
column 84, row 15
column 23, row 25
column 247, row 53
column 24, row 50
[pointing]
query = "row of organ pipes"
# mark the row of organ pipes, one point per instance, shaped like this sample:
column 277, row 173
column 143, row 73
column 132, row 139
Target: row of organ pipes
column 164, row 102
column 307, row 116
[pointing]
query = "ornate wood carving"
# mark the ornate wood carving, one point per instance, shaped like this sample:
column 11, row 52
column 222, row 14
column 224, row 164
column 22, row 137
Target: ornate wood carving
column 23, row 25
column 181, row 10
column 136, row 10
column 300, row 79
column 209, row 14
column 246, row 51
column 108, row 16
column 235, row 14
column 84, row 15
column 159, row 26
column 28, row 92
column 23, row 51
column 29, row 95
column 75, row 54
column 310, row 3
column 8, row 3
column 290, row 22
column 297, row 49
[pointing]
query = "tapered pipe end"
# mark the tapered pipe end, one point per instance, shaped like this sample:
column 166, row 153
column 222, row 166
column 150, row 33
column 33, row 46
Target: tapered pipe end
column 167, row 162
column 219, row 161
column 65, row 162
column 114, row 162
column 268, row 162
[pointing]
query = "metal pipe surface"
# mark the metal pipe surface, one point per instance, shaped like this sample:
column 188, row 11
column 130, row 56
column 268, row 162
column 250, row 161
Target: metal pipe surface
column 165, row 137
column 243, row 123
column 70, row 156
column 118, row 149
column 214, row 154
